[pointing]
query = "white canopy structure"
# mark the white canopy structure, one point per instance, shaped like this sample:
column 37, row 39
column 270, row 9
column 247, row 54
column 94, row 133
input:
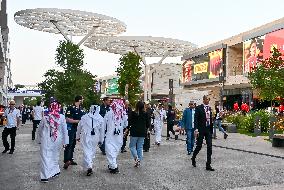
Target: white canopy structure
column 144, row 46
column 69, row 22
column 147, row 45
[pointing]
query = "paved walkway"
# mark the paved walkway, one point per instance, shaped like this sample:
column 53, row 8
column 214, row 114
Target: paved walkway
column 164, row 167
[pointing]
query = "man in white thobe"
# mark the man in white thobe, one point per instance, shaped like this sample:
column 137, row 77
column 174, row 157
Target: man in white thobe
column 90, row 132
column 51, row 137
column 160, row 115
column 115, row 120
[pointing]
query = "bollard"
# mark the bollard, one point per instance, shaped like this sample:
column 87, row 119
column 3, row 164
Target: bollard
column 257, row 128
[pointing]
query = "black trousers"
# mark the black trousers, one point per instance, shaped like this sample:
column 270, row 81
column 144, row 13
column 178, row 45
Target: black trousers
column 12, row 133
column 170, row 127
column 35, row 124
column 24, row 118
column 146, row 145
column 69, row 149
column 208, row 137
column 102, row 147
column 124, row 140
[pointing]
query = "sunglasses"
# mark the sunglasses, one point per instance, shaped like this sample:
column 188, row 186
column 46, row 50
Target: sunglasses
column 12, row 104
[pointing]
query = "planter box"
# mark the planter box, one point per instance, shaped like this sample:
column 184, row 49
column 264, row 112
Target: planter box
column 232, row 128
column 278, row 141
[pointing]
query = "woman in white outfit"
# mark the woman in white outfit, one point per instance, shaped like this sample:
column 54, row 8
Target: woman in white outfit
column 115, row 120
column 90, row 132
column 159, row 115
column 52, row 134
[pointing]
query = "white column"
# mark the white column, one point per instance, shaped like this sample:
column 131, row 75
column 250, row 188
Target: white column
column 145, row 82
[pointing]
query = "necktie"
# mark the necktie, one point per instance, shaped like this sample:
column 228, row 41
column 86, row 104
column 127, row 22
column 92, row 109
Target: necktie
column 207, row 112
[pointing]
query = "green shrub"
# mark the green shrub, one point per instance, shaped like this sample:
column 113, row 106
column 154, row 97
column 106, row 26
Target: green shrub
column 247, row 122
column 235, row 118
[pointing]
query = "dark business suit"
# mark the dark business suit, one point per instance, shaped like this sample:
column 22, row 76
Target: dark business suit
column 205, row 130
column 128, row 112
column 103, row 110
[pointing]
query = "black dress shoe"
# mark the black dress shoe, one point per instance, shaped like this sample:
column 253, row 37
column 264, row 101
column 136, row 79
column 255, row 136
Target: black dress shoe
column 89, row 172
column 6, row 150
column 73, row 163
column 225, row 136
column 123, row 150
column 193, row 162
column 209, row 168
column 114, row 171
column 44, row 180
column 188, row 153
column 66, row 165
column 11, row 152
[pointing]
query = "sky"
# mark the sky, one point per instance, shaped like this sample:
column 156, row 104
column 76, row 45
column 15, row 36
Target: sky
column 201, row 22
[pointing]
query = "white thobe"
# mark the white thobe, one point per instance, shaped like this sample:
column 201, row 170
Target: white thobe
column 89, row 142
column 50, row 149
column 160, row 115
column 113, row 142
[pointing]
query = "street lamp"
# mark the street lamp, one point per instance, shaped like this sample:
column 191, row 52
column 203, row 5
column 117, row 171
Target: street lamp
column 221, row 83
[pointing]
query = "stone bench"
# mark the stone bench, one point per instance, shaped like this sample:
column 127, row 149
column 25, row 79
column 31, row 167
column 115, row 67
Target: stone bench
column 278, row 140
column 230, row 127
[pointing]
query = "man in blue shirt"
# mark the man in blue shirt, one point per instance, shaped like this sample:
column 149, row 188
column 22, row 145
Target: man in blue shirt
column 13, row 122
column 73, row 116
column 188, row 125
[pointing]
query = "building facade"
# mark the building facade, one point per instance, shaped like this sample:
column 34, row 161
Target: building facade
column 163, row 78
column 220, row 70
column 5, row 61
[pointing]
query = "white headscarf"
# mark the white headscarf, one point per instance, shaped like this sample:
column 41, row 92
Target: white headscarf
column 94, row 113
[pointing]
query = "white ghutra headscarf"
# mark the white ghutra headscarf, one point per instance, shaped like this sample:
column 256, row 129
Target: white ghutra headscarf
column 94, row 113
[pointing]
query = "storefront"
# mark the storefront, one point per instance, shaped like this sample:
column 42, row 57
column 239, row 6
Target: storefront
column 222, row 68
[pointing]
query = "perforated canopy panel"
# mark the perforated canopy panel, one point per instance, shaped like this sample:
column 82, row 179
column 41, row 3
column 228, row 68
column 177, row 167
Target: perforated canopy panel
column 145, row 45
column 71, row 22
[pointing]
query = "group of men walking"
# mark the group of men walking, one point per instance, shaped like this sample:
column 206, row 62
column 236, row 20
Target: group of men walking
column 108, row 125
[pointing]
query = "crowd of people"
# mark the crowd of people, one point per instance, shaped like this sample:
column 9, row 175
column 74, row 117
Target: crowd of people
column 108, row 126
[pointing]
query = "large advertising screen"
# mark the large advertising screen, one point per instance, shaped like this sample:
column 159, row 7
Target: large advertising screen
column 273, row 39
column 252, row 53
column 259, row 48
column 206, row 66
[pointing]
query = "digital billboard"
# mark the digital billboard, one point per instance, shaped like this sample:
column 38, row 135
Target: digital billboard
column 252, row 53
column 186, row 71
column 273, row 39
column 259, row 48
column 112, row 86
column 206, row 66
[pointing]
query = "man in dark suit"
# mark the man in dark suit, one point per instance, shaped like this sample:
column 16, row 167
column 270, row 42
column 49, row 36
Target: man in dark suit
column 104, row 108
column 149, row 111
column 203, row 127
column 128, row 112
